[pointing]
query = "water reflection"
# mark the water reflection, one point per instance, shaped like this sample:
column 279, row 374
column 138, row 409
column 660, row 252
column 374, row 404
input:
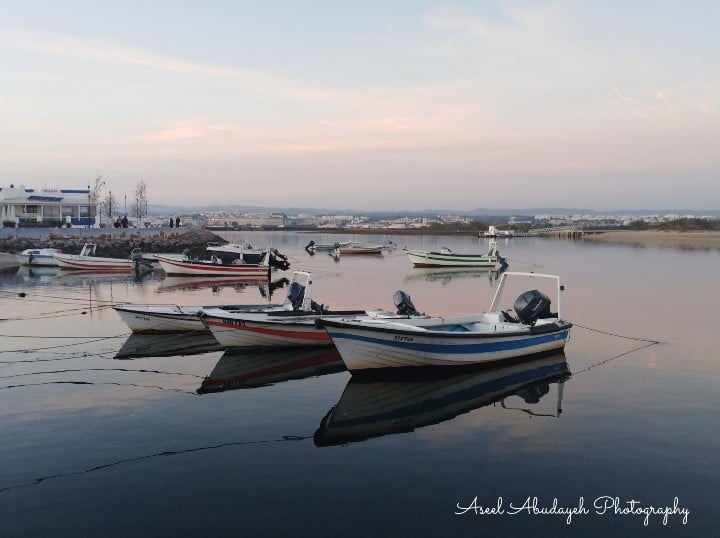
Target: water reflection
column 140, row 345
column 246, row 369
column 216, row 284
column 378, row 404
column 447, row 274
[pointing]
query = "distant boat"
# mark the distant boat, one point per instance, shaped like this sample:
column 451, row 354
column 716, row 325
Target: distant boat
column 225, row 260
column 39, row 257
column 357, row 247
column 313, row 247
column 492, row 231
column 447, row 258
column 88, row 260
column 378, row 404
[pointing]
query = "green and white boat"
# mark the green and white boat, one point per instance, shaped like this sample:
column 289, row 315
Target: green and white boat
column 447, row 258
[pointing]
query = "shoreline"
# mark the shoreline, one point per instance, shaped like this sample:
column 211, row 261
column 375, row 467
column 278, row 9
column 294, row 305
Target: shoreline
column 691, row 240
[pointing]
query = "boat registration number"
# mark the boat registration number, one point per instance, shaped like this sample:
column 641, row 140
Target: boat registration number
column 403, row 338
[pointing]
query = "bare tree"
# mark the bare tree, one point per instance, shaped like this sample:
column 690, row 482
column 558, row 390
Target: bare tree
column 140, row 209
column 110, row 205
column 95, row 196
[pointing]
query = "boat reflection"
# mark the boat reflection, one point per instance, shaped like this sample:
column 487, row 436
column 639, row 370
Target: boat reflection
column 140, row 345
column 73, row 277
column 215, row 284
column 377, row 404
column 39, row 273
column 247, row 369
column 446, row 274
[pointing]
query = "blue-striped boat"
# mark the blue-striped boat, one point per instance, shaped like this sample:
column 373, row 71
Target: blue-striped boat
column 492, row 336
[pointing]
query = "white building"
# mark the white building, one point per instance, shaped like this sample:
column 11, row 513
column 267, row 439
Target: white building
column 47, row 206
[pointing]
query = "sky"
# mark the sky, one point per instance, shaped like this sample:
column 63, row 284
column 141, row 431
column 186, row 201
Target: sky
column 375, row 105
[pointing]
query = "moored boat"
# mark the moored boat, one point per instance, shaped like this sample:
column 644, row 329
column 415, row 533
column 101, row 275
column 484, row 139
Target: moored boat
column 88, row 260
column 447, row 258
column 481, row 338
column 294, row 324
column 225, row 260
column 39, row 257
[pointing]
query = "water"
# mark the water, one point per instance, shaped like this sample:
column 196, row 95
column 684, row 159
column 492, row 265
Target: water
column 99, row 439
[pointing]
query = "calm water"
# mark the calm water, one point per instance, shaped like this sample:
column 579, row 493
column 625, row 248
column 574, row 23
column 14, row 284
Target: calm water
column 107, row 435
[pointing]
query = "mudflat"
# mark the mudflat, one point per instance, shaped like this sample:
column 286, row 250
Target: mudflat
column 697, row 240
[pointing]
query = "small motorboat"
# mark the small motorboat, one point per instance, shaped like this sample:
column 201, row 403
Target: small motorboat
column 367, row 343
column 226, row 260
column 88, row 260
column 312, row 247
column 447, row 258
column 39, row 257
column 294, row 324
column 357, row 247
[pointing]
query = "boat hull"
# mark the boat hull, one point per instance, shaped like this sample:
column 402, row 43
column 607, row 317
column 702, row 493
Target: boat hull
column 421, row 258
column 245, row 332
column 175, row 266
column 76, row 261
column 366, row 348
column 38, row 257
column 161, row 319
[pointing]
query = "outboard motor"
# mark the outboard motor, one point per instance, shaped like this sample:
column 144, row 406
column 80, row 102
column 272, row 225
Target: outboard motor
column 296, row 293
column 404, row 305
column 532, row 305
column 279, row 261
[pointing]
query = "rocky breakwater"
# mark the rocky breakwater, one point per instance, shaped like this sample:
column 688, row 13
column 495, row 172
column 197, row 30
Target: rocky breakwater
column 118, row 244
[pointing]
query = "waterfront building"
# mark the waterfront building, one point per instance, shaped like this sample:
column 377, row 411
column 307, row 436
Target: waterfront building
column 45, row 206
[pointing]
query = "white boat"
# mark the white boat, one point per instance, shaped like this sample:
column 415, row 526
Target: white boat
column 356, row 247
column 39, row 257
column 481, row 338
column 447, row 258
column 493, row 231
column 88, row 260
column 225, row 260
column 374, row 405
column 294, row 324
column 173, row 318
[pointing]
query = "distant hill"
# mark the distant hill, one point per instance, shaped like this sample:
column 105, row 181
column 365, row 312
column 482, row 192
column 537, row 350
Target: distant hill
column 157, row 209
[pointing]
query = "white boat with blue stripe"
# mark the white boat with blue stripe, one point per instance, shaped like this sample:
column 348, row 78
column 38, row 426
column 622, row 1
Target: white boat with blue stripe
column 495, row 335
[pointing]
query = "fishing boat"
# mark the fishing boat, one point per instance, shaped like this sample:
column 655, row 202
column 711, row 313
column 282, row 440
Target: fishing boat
column 358, row 247
column 225, row 260
column 39, row 257
column 495, row 335
column 493, row 231
column 294, row 324
column 375, row 404
column 447, row 258
column 173, row 318
column 88, row 260
column 247, row 369
column 169, row 318
column 313, row 247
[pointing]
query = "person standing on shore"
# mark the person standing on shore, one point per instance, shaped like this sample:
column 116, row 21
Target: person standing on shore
column 171, row 222
column 177, row 222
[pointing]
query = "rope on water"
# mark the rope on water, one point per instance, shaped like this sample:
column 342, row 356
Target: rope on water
column 618, row 335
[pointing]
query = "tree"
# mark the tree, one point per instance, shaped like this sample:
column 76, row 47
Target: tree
column 95, row 195
column 110, row 205
column 140, row 209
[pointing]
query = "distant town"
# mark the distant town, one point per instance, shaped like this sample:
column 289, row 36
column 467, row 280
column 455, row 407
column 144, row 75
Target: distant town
column 86, row 208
